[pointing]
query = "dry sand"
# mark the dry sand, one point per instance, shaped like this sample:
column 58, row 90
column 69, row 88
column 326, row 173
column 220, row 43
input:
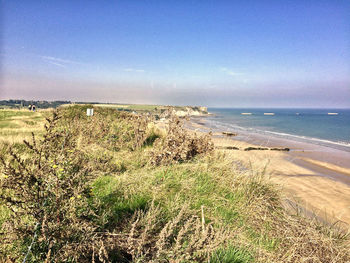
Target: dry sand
column 316, row 177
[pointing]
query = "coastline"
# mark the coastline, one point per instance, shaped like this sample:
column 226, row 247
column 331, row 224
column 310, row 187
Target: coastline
column 315, row 176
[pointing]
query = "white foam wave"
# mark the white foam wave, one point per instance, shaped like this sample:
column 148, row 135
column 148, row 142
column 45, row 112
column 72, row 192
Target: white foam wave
column 345, row 144
column 221, row 125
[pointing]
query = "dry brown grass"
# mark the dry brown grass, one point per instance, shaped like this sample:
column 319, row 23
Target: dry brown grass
column 281, row 235
column 179, row 145
column 183, row 238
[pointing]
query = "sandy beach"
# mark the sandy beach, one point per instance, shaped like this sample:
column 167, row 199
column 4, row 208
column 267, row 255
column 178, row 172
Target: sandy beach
column 316, row 177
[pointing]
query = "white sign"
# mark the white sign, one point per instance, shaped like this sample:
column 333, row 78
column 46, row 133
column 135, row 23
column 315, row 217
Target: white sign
column 89, row 112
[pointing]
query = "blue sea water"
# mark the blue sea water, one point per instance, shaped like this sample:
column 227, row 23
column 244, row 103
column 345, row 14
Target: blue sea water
column 312, row 125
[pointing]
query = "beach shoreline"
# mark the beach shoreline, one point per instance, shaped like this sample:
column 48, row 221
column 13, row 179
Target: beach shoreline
column 315, row 176
column 305, row 150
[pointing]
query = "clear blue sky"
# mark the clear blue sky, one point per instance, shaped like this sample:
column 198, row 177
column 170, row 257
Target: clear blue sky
column 215, row 53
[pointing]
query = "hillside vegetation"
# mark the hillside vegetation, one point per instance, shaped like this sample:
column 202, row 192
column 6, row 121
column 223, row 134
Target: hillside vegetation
column 115, row 188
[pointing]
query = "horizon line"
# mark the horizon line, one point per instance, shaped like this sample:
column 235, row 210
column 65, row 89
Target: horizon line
column 213, row 107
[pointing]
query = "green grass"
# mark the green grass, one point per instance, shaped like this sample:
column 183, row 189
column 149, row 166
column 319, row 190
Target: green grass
column 138, row 107
column 16, row 125
column 9, row 125
column 8, row 114
column 231, row 254
column 113, row 205
column 131, row 107
column 9, row 118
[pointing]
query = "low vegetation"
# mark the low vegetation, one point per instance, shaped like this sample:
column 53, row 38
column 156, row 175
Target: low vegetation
column 17, row 125
column 179, row 145
column 20, row 104
column 115, row 188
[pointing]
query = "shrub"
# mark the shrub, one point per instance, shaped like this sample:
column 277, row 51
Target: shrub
column 179, row 145
column 47, row 198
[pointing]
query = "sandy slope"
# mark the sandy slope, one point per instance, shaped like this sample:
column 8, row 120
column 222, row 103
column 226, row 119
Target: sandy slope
column 320, row 187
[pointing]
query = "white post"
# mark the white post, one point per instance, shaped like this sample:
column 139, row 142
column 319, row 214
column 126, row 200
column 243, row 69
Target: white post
column 89, row 112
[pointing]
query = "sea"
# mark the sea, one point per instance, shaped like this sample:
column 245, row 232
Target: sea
column 327, row 127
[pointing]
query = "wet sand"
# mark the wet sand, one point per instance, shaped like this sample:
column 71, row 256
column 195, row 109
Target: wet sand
column 317, row 177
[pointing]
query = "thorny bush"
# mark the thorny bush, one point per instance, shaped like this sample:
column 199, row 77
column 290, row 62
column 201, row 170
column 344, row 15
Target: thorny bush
column 179, row 145
column 46, row 186
column 47, row 195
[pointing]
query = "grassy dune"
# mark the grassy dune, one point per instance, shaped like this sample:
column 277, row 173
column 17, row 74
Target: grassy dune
column 114, row 188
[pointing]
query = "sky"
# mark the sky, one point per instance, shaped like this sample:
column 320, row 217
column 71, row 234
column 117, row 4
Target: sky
column 263, row 53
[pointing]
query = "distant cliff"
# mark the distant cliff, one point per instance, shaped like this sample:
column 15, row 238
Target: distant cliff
column 190, row 111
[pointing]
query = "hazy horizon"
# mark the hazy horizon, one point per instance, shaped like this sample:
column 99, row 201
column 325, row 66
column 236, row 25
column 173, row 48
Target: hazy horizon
column 241, row 54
